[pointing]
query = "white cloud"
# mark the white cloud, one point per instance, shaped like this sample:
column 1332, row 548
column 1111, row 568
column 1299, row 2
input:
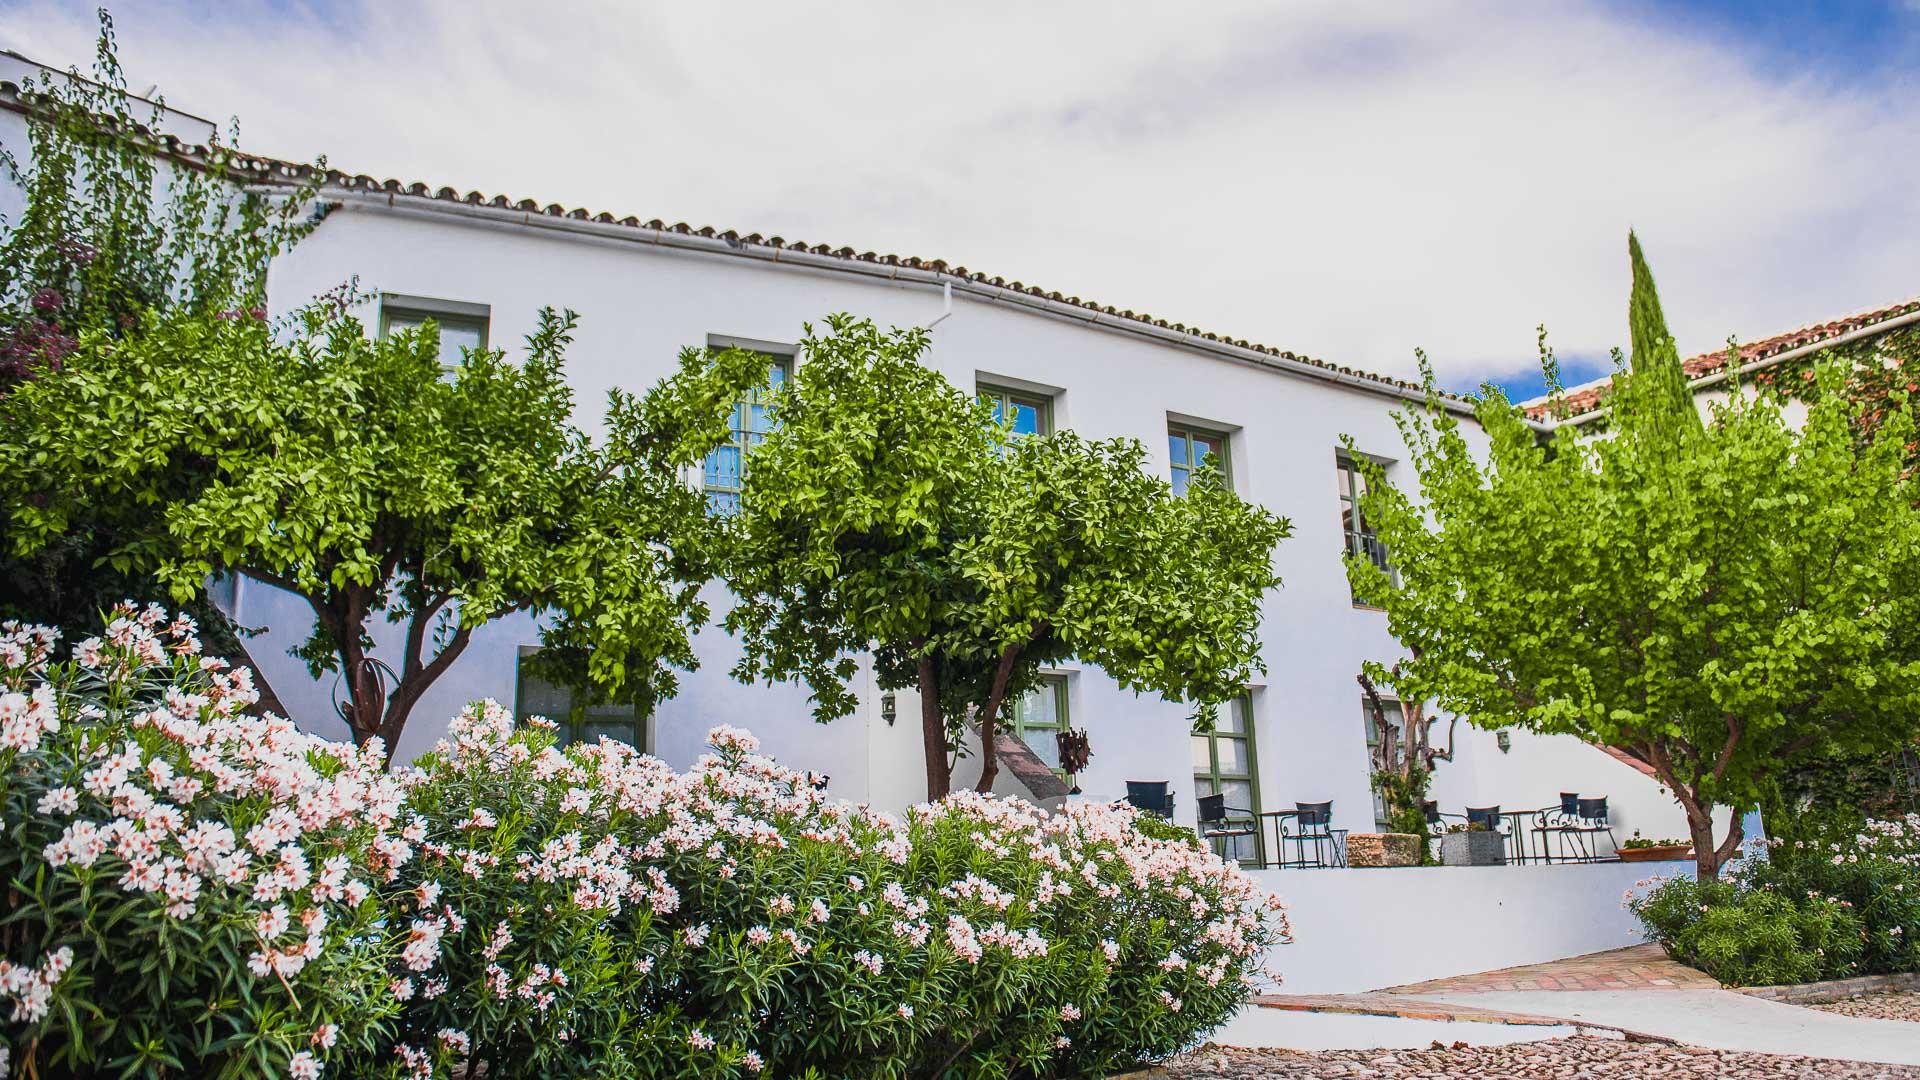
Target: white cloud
column 1345, row 181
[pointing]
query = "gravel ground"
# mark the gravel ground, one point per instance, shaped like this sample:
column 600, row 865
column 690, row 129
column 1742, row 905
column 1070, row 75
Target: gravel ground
column 1897, row 1005
column 1555, row 1059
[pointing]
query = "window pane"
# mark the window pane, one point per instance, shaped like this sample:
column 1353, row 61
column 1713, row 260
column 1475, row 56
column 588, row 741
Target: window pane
column 615, row 730
column 1177, row 449
column 1179, row 481
column 1233, row 718
column 1239, row 794
column 1345, row 473
column 1240, row 848
column 1202, row 754
column 1044, row 744
column 1233, row 756
column 1026, row 418
column 1202, row 786
column 1206, row 447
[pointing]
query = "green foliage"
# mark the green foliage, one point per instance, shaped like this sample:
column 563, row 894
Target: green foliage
column 1844, row 905
column 187, row 884
column 1715, row 599
column 116, row 224
column 888, row 514
column 357, row 474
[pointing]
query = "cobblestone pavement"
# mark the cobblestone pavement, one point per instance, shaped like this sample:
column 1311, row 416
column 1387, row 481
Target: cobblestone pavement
column 1642, row 967
column 1898, row 1005
column 1580, row 1057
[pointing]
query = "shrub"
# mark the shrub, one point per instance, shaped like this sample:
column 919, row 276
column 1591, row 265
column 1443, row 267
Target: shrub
column 1805, row 911
column 190, row 889
column 197, row 891
column 596, row 914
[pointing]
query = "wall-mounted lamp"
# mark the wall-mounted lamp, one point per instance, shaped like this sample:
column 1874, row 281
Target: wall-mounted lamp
column 1501, row 739
column 888, row 711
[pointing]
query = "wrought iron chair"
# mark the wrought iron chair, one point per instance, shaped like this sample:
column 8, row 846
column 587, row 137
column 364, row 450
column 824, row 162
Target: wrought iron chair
column 1316, row 841
column 1153, row 796
column 1578, row 824
column 1494, row 821
column 1222, row 826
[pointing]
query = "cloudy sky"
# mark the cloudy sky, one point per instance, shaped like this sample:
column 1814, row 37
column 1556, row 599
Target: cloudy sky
column 1347, row 181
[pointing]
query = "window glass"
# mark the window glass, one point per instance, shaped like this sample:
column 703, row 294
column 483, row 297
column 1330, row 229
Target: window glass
column 1359, row 536
column 458, row 333
column 1039, row 715
column 1023, row 414
column 1195, row 452
column 577, row 722
column 1372, row 730
column 1224, row 763
column 752, row 420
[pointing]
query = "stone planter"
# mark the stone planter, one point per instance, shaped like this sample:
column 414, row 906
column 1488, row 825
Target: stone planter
column 1657, row 853
column 1473, row 849
column 1383, row 849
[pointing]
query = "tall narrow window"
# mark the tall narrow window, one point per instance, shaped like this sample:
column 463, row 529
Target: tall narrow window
column 1373, row 740
column 1224, row 764
column 1195, row 453
column 1023, row 414
column 1359, row 534
column 1040, row 715
column 749, row 426
column 463, row 326
column 578, row 722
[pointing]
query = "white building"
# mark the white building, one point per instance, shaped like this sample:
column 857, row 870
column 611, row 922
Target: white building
column 484, row 266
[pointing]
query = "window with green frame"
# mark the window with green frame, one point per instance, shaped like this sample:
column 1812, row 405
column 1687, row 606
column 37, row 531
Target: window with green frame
column 1023, row 413
column 463, row 326
column 749, row 426
column 1194, row 451
column 1360, row 538
column 1373, row 740
column 578, row 722
column 1224, row 763
column 1041, row 714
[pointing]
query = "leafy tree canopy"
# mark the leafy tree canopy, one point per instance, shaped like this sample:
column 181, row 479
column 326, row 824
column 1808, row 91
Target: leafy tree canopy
column 889, row 513
column 359, row 475
column 115, row 223
column 1716, row 598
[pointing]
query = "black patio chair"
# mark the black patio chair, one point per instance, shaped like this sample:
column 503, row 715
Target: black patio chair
column 1577, row 824
column 1494, row 821
column 1222, row 826
column 1153, row 796
column 1313, row 830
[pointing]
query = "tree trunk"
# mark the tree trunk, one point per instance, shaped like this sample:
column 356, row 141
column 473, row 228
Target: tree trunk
column 1706, row 864
column 933, row 733
column 996, row 696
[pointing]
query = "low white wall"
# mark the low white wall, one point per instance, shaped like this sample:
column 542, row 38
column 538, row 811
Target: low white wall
column 1357, row 930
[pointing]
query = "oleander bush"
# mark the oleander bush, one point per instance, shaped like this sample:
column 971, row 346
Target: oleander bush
column 1794, row 912
column 189, row 890
column 195, row 891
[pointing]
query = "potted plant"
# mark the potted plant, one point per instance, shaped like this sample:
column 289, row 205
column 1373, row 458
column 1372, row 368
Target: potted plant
column 1637, row 848
column 1472, row 845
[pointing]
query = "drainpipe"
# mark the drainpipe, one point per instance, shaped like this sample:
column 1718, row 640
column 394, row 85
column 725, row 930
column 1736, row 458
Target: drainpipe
column 1796, row 352
column 946, row 304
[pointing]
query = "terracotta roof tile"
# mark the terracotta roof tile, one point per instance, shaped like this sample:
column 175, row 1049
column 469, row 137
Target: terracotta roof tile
column 1584, row 399
column 274, row 170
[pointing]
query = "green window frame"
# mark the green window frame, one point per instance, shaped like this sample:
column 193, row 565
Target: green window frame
column 1039, row 715
column 462, row 325
column 1373, row 740
column 1028, row 413
column 578, row 722
column 724, row 471
column 1192, row 451
column 1359, row 537
column 1226, row 761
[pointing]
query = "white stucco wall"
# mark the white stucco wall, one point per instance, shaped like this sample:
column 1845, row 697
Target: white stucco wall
column 639, row 305
column 1359, row 930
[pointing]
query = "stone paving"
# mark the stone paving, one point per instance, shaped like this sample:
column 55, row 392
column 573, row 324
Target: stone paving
column 1642, row 967
column 1901, row 1005
column 1556, row 1059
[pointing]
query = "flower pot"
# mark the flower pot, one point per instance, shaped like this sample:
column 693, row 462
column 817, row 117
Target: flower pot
column 1383, row 849
column 1473, row 849
column 1657, row 853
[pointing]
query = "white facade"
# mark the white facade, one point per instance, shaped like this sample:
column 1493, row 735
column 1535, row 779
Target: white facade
column 643, row 295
